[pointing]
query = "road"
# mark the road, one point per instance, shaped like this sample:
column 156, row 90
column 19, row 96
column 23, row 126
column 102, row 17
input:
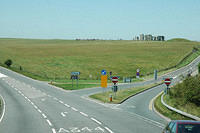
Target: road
column 36, row 107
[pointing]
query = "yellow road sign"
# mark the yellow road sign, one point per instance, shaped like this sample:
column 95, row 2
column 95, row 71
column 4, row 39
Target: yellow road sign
column 104, row 81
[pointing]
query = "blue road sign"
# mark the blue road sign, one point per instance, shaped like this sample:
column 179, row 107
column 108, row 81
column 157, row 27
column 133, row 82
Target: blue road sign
column 103, row 72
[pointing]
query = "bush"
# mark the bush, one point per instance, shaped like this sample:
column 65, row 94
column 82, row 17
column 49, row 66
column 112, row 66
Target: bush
column 8, row 62
column 188, row 91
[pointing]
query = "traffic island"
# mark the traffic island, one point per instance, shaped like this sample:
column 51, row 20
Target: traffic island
column 121, row 95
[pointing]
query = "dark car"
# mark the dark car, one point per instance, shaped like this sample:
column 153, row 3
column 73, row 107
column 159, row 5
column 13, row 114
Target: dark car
column 182, row 126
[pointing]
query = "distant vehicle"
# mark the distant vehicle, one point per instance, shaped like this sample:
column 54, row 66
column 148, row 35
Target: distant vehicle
column 182, row 126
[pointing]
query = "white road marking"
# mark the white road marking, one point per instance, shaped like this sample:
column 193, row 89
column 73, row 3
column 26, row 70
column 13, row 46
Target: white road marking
column 44, row 116
column 55, row 98
column 61, row 130
column 87, row 129
column 49, row 95
column 43, row 99
column 64, row 114
column 109, row 130
column 74, row 109
column 2, row 75
column 53, row 130
column 84, row 114
column 99, row 129
column 67, row 105
column 49, row 122
column 61, row 101
column 4, row 108
column 39, row 111
column 96, row 121
column 35, row 107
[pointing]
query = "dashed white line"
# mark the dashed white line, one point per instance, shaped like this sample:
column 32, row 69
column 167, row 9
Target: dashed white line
column 67, row 105
column 74, row 109
column 109, row 130
column 55, row 98
column 35, row 107
column 61, row 101
column 39, row 111
column 84, row 114
column 96, row 121
column 49, row 122
column 44, row 116
column 53, row 130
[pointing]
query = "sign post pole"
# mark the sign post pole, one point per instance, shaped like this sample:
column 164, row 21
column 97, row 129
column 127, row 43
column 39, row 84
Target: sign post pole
column 167, row 82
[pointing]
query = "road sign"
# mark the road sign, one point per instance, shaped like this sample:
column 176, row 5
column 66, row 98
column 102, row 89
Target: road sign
column 167, row 81
column 103, row 72
column 114, row 79
column 75, row 73
column 104, row 81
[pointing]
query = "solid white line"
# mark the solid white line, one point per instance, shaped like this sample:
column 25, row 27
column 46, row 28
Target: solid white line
column 44, row 116
column 108, row 130
column 4, row 108
column 96, row 121
column 29, row 100
column 53, row 130
column 74, row 109
column 67, row 105
column 84, row 114
column 49, row 122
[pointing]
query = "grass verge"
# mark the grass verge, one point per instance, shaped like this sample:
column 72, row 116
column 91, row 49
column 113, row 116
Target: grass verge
column 121, row 95
column 189, row 107
column 166, row 112
column 74, row 87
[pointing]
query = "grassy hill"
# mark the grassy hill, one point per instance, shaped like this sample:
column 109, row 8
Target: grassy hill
column 48, row 59
column 178, row 40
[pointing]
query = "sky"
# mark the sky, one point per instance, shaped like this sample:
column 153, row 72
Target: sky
column 99, row 19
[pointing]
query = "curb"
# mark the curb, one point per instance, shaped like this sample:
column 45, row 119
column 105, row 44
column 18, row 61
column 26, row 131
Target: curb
column 154, row 109
column 2, row 108
column 179, row 111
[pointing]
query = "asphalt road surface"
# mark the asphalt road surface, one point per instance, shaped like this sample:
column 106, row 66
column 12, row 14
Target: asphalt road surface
column 36, row 107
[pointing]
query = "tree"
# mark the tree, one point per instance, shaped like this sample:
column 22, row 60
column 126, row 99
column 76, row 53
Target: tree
column 8, row 62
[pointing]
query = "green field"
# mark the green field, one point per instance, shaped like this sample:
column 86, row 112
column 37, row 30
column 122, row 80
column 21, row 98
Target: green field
column 55, row 59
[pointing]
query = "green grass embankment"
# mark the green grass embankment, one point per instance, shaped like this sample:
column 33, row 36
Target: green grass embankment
column 184, row 96
column 166, row 112
column 56, row 59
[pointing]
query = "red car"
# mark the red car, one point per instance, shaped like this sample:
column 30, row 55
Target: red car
column 182, row 126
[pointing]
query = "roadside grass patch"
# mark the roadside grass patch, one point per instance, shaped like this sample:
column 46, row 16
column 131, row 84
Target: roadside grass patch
column 75, row 87
column 121, row 95
column 166, row 112
column 189, row 107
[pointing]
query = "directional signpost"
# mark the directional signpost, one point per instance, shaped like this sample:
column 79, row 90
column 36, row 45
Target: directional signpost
column 74, row 76
column 103, row 79
column 167, row 82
